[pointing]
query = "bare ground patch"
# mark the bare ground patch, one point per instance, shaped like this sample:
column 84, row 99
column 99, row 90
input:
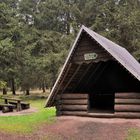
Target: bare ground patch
column 22, row 112
column 79, row 128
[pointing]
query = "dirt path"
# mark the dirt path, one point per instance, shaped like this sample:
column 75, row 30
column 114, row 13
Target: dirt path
column 29, row 111
column 79, row 128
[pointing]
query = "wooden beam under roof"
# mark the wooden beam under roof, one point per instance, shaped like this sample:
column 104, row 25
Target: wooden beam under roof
column 92, row 74
column 65, row 74
column 76, row 85
column 101, row 72
column 77, row 69
column 98, row 75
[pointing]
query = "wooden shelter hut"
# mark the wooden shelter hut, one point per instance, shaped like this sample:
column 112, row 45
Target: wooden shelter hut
column 98, row 79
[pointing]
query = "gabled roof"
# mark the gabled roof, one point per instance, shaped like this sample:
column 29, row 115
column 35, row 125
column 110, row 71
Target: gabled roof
column 118, row 52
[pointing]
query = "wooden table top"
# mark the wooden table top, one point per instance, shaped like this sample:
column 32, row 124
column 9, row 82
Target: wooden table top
column 14, row 99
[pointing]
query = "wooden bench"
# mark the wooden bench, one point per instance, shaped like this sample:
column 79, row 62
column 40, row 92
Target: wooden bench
column 7, row 107
column 18, row 102
column 24, row 105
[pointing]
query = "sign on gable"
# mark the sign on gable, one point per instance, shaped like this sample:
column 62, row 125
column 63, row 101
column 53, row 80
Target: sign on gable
column 90, row 56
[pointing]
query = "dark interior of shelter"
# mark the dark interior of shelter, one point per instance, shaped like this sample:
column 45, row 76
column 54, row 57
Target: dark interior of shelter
column 102, row 81
column 101, row 102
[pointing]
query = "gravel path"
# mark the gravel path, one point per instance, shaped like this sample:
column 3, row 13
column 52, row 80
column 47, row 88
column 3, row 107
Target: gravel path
column 79, row 128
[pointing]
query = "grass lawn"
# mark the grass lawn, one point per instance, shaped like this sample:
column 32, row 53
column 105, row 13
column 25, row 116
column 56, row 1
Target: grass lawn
column 28, row 123
column 133, row 134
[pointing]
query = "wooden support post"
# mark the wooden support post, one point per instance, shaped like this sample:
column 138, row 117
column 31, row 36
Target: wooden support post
column 19, row 106
column 6, row 101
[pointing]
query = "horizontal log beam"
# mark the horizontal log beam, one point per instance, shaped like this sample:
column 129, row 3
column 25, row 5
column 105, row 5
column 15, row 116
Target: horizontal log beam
column 127, row 114
column 116, row 115
column 101, row 115
column 74, row 96
column 84, row 113
column 75, row 113
column 127, row 101
column 127, row 108
column 128, row 95
column 74, row 107
column 75, row 102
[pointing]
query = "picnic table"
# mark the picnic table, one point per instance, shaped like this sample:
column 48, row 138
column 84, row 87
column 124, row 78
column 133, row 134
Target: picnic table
column 17, row 101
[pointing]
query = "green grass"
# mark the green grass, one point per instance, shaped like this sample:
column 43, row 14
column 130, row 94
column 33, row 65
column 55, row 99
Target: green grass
column 133, row 134
column 28, row 123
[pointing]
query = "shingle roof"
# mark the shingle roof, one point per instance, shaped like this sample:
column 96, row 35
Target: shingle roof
column 118, row 52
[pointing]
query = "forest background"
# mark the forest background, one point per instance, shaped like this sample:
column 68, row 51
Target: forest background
column 36, row 35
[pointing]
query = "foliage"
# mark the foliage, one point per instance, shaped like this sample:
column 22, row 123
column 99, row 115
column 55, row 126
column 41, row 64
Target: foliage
column 2, row 84
column 36, row 35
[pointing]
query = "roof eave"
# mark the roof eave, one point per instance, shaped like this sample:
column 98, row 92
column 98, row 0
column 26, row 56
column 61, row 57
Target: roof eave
column 49, row 101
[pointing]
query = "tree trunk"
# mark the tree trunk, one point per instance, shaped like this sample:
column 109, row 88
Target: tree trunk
column 27, row 92
column 68, row 20
column 43, row 87
column 13, row 86
column 53, row 71
column 40, row 87
column 4, row 91
column 46, row 86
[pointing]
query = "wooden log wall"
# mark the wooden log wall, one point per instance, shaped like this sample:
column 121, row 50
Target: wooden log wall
column 127, row 105
column 72, row 104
